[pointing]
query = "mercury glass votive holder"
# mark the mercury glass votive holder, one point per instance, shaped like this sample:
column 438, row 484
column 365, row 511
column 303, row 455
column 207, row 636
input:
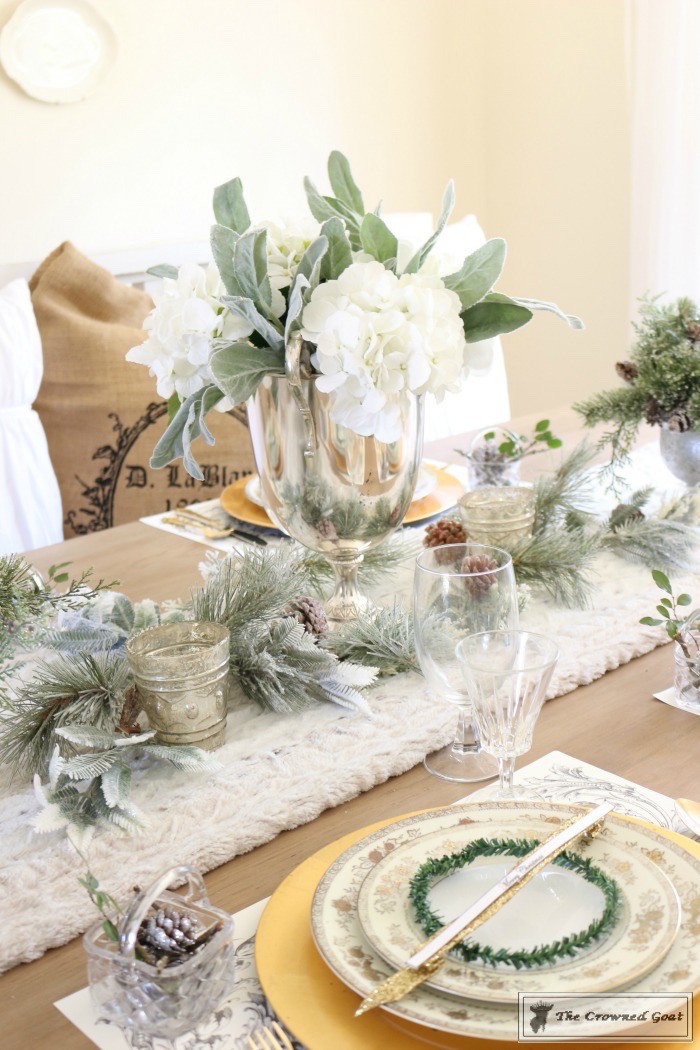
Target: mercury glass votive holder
column 497, row 515
column 181, row 671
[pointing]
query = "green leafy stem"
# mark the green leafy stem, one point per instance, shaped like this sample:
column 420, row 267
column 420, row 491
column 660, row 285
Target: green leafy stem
column 435, row 869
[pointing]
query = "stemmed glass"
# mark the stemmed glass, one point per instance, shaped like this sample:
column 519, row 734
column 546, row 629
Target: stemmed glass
column 460, row 589
column 507, row 674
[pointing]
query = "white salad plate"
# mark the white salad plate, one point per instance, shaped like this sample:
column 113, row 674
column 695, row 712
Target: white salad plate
column 57, row 50
column 623, row 846
column 557, row 903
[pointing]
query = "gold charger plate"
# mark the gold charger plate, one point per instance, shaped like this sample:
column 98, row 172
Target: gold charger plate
column 319, row 1008
column 444, row 496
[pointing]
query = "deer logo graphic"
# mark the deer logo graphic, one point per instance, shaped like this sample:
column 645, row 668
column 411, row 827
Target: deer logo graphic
column 541, row 1012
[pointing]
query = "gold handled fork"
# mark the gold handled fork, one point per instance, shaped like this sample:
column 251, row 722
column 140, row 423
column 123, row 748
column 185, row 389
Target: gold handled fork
column 210, row 530
column 269, row 1038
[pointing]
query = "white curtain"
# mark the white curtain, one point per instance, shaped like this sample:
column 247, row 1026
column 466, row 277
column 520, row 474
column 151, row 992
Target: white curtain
column 664, row 45
column 30, row 507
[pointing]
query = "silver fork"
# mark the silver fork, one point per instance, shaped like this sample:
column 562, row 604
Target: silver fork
column 269, row 1037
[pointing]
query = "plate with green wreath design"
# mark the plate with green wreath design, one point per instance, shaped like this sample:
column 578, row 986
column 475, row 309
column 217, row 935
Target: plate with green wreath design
column 590, row 922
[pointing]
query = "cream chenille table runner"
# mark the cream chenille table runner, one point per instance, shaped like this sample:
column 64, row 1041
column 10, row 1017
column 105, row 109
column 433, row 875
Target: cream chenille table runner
column 277, row 772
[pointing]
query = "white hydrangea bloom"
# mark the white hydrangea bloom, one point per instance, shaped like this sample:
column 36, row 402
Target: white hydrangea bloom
column 379, row 336
column 187, row 318
column 287, row 240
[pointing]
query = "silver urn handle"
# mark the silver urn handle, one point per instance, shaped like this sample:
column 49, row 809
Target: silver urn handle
column 292, row 367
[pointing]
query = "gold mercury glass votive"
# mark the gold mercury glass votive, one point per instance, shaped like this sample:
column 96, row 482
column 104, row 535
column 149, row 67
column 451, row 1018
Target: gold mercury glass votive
column 502, row 517
column 181, row 670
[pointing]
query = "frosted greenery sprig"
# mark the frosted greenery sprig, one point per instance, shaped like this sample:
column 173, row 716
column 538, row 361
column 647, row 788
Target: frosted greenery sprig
column 435, row 869
column 383, row 639
column 27, row 600
column 81, row 689
column 92, row 788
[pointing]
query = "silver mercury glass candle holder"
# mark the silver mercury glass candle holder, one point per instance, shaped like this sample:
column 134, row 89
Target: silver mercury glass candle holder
column 181, row 671
column 500, row 516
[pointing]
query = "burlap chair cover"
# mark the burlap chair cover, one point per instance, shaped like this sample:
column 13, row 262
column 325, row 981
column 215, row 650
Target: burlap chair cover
column 101, row 414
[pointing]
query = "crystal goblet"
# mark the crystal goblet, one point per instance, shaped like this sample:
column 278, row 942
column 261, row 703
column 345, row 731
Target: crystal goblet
column 460, row 589
column 507, row 674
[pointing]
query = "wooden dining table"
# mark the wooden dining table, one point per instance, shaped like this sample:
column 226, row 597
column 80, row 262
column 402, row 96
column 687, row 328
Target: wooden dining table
column 613, row 723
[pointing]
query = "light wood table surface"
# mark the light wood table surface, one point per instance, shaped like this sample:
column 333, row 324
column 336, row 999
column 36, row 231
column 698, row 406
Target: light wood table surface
column 613, row 723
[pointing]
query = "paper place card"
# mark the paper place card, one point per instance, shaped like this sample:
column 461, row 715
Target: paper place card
column 558, row 777
column 668, row 696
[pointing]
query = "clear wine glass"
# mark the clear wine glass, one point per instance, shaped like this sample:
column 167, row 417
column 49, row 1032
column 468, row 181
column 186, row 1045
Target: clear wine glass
column 460, row 589
column 507, row 674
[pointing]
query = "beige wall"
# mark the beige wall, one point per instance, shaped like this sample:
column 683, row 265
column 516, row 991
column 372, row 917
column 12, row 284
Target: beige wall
column 522, row 101
column 558, row 187
column 208, row 89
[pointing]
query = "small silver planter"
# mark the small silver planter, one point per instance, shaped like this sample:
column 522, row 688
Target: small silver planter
column 680, row 451
column 161, row 1002
column 181, row 670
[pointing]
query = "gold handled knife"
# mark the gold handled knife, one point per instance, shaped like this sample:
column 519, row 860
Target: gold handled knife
column 431, row 954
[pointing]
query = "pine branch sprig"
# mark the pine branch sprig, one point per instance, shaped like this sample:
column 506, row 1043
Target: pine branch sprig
column 569, row 489
column 558, row 561
column 252, row 586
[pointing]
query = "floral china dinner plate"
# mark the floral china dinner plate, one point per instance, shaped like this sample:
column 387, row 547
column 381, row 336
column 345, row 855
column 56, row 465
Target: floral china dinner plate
column 558, row 903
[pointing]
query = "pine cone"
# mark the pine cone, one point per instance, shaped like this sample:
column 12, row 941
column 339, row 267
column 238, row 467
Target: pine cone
column 326, row 528
column 447, row 530
column 679, row 422
column 623, row 514
column 167, row 933
column 693, row 332
column 653, row 412
column 480, row 584
column 627, row 370
column 310, row 613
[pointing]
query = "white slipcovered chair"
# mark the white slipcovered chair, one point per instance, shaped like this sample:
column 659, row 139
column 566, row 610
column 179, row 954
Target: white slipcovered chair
column 483, row 400
column 30, row 512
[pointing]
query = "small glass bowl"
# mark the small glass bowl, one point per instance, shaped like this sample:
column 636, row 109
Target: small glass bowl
column 489, row 467
column 161, row 1002
column 498, row 515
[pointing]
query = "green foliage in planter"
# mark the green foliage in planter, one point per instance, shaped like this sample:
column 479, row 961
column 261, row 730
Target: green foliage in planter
column 662, row 377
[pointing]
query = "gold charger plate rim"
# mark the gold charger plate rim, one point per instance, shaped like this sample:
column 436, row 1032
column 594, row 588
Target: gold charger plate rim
column 297, row 975
column 442, row 498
